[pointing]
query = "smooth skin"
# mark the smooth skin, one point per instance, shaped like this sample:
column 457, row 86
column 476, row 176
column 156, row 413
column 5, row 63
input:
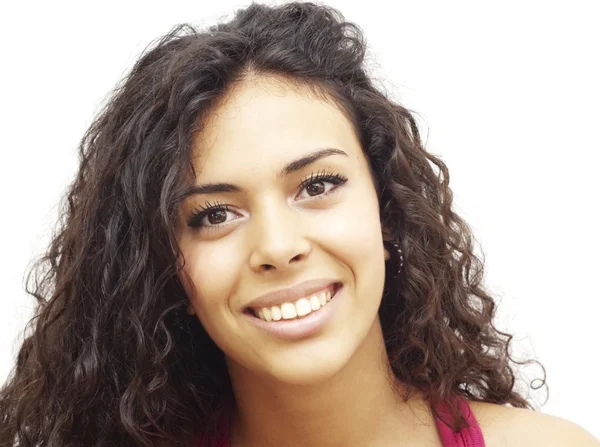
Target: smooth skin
column 334, row 388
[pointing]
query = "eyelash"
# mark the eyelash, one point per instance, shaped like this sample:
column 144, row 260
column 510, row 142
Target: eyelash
column 195, row 221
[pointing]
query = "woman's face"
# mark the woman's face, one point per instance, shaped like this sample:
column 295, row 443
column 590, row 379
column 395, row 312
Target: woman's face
column 283, row 196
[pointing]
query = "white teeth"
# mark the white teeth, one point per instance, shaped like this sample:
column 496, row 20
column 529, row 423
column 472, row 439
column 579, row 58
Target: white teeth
column 276, row 313
column 300, row 308
column 288, row 311
column 266, row 314
column 315, row 304
column 323, row 298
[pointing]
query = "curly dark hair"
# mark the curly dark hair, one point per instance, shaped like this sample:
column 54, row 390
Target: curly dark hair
column 112, row 358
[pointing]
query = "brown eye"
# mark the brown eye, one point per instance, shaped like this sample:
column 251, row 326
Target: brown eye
column 314, row 189
column 212, row 216
column 320, row 185
column 217, row 217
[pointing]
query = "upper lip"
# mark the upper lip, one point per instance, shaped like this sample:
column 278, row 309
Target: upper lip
column 291, row 294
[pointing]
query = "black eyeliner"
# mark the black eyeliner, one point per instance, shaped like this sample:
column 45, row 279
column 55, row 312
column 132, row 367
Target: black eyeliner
column 203, row 211
column 319, row 176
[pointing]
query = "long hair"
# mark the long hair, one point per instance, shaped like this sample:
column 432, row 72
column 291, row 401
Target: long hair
column 112, row 358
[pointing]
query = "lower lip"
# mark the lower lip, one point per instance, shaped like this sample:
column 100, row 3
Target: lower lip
column 297, row 328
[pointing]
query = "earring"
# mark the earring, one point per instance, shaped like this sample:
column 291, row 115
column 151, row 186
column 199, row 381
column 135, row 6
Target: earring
column 401, row 258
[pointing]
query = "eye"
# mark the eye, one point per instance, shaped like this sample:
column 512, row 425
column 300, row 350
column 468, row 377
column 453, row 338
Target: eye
column 321, row 184
column 317, row 188
column 211, row 216
column 216, row 217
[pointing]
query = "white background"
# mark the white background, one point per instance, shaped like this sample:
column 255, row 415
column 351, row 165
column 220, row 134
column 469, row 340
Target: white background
column 507, row 95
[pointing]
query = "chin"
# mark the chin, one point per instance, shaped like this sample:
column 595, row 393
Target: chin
column 316, row 362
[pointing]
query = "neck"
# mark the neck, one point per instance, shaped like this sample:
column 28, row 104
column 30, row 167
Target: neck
column 361, row 405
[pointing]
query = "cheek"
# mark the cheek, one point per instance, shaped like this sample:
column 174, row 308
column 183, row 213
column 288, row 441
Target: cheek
column 211, row 268
column 352, row 227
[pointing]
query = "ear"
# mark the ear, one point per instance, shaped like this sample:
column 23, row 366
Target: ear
column 386, row 235
column 190, row 309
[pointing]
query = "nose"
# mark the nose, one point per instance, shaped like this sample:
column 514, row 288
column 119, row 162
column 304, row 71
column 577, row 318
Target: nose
column 278, row 242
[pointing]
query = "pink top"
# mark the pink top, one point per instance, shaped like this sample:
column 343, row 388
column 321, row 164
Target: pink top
column 467, row 437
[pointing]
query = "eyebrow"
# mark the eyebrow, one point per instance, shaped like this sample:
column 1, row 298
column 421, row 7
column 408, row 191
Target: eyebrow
column 296, row 165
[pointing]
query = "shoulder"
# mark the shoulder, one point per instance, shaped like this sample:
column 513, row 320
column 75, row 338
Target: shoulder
column 507, row 426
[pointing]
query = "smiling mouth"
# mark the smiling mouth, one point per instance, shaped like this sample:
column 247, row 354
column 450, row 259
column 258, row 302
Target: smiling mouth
column 297, row 309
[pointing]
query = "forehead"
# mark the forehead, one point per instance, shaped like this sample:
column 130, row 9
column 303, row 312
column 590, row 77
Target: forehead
column 263, row 120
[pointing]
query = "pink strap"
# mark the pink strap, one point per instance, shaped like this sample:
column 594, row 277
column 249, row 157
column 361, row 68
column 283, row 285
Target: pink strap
column 467, row 437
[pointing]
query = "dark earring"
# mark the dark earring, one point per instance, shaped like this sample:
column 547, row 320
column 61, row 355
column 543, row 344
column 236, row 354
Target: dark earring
column 401, row 258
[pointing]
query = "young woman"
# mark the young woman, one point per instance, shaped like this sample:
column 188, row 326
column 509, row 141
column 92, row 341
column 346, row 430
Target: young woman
column 258, row 251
